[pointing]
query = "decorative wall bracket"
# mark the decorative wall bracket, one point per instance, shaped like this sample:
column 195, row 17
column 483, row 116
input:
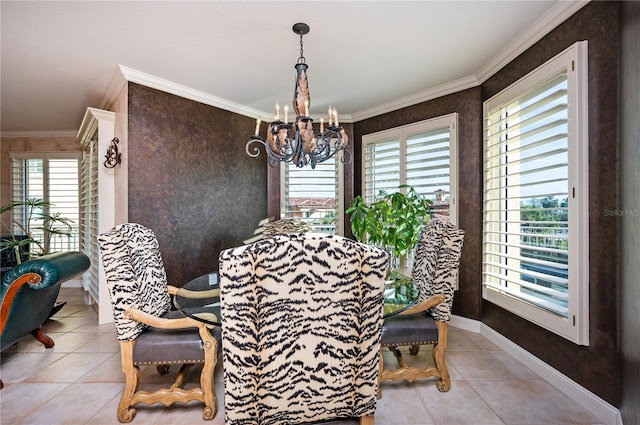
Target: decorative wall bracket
column 113, row 157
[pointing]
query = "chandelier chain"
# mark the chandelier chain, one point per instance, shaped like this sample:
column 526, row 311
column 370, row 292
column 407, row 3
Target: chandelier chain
column 301, row 59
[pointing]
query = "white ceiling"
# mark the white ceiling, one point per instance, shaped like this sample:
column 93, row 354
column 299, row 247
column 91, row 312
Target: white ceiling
column 364, row 57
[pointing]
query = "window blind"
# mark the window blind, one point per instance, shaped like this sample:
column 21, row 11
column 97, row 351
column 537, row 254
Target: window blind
column 429, row 167
column 89, row 229
column 381, row 168
column 314, row 195
column 52, row 177
column 526, row 197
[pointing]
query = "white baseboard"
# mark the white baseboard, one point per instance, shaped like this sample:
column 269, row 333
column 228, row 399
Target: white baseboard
column 604, row 411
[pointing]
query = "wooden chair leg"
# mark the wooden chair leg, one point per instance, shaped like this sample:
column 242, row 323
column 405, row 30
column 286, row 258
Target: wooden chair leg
column 206, row 376
column 131, row 379
column 444, row 384
column 366, row 420
column 45, row 339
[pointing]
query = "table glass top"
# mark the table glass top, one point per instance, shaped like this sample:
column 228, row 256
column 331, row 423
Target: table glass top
column 400, row 293
column 200, row 298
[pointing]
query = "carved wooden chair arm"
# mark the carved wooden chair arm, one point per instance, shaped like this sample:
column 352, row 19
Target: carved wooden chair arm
column 424, row 305
column 163, row 323
column 193, row 294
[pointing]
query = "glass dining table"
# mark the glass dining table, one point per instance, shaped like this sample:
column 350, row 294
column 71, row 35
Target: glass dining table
column 200, row 297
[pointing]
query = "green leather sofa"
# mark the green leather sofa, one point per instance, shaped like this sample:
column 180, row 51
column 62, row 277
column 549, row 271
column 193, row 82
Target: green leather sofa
column 29, row 291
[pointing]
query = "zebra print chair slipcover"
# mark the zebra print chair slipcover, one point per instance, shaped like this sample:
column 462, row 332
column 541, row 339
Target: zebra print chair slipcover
column 301, row 335
column 149, row 333
column 284, row 226
column 435, row 272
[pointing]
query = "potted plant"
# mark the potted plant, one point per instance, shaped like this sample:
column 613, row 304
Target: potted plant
column 36, row 237
column 392, row 220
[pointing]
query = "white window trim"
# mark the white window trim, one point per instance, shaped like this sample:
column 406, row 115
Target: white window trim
column 576, row 326
column 404, row 132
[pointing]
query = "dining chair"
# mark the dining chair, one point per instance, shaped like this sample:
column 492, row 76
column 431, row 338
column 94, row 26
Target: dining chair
column 301, row 318
column 150, row 333
column 435, row 273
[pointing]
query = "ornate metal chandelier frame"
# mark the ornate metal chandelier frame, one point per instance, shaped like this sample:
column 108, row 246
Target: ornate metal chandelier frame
column 304, row 147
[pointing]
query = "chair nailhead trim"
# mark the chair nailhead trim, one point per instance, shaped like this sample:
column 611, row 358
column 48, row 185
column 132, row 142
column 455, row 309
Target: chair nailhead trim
column 169, row 362
column 404, row 344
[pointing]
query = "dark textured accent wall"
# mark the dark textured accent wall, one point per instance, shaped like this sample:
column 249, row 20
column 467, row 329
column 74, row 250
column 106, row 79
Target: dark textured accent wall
column 597, row 366
column 468, row 105
column 190, row 179
column 630, row 208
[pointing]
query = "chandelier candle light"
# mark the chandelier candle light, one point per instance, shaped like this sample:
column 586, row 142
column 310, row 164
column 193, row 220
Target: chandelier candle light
column 303, row 146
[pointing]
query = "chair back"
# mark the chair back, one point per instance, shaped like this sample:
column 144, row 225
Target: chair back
column 135, row 275
column 284, row 226
column 437, row 259
column 302, row 316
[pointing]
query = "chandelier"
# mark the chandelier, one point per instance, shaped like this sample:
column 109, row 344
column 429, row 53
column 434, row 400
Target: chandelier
column 296, row 142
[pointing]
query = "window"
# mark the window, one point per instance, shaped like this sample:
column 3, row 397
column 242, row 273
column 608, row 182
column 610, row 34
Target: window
column 314, row 196
column 52, row 177
column 535, row 211
column 422, row 155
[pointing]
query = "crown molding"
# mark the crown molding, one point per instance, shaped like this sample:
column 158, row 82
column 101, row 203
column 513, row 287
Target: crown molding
column 415, row 98
column 117, row 83
column 559, row 13
column 154, row 82
column 40, row 134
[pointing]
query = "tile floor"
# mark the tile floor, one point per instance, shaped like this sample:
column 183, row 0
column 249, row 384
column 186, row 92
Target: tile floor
column 79, row 382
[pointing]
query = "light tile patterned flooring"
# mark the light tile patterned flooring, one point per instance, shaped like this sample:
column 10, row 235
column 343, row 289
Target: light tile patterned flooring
column 79, row 382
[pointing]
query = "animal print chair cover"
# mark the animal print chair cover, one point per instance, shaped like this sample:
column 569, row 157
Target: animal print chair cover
column 302, row 318
column 135, row 276
column 284, row 226
column 437, row 259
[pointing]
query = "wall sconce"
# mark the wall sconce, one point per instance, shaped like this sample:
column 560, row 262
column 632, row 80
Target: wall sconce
column 113, row 157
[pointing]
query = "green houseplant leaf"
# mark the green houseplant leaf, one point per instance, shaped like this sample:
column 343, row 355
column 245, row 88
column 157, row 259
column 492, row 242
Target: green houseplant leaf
column 392, row 220
column 37, row 222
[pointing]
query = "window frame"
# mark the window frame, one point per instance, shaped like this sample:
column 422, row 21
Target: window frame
column 339, row 187
column 575, row 327
column 46, row 157
column 402, row 134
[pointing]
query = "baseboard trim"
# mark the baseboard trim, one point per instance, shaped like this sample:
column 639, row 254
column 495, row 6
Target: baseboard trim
column 604, row 411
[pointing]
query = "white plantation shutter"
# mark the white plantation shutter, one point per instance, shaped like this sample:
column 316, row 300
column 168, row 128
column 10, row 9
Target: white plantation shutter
column 52, row 177
column 314, row 195
column 89, row 240
column 526, row 197
column 429, row 167
column 533, row 213
column 381, row 160
column 422, row 155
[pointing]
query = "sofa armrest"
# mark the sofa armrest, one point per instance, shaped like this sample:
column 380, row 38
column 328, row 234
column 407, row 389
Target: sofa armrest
column 52, row 268
column 29, row 290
